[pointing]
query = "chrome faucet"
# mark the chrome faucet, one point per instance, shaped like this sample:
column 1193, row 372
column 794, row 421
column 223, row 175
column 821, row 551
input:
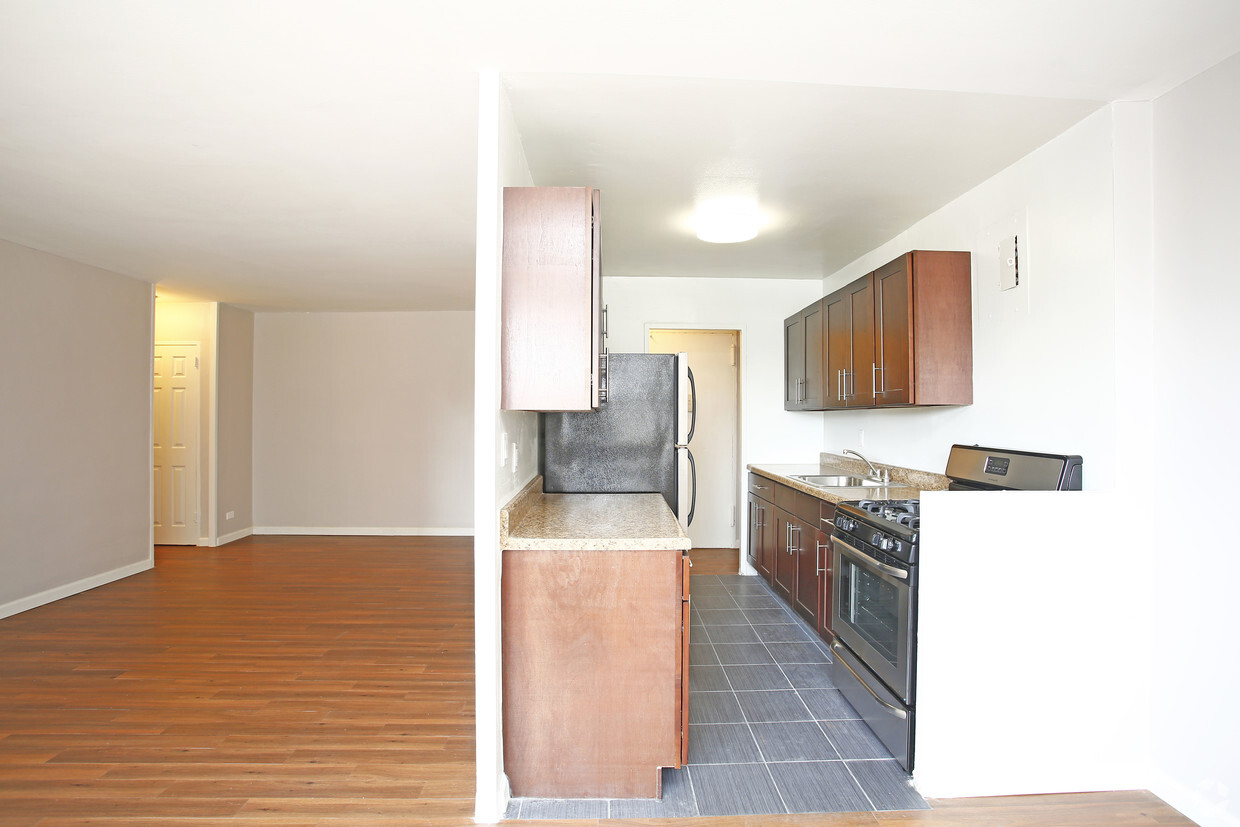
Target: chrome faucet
column 883, row 476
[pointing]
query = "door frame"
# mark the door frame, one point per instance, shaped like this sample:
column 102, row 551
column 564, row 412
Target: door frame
column 742, row 487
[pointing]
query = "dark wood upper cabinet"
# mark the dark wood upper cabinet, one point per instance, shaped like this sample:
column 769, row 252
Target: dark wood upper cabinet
column 926, row 303
column 803, row 355
column 551, row 304
column 794, row 361
column 900, row 336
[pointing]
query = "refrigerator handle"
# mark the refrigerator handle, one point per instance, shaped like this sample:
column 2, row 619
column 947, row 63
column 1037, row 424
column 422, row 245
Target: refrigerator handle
column 693, row 476
column 692, row 419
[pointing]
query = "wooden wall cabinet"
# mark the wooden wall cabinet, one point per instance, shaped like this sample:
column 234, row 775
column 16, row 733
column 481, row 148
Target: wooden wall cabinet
column 900, row 336
column 551, row 303
column 803, row 355
column 849, row 342
column 595, row 671
column 923, row 306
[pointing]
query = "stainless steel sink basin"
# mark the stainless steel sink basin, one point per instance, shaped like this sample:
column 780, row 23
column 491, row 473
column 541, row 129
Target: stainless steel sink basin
column 839, row 481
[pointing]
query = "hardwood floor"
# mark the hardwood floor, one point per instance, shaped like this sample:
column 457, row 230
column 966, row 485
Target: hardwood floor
column 715, row 561
column 301, row 681
column 275, row 680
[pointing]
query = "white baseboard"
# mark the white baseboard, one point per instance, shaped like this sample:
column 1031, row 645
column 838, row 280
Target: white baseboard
column 60, row 592
column 224, row 539
column 365, row 531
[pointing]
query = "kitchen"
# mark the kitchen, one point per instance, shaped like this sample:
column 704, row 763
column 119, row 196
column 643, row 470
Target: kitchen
column 1067, row 400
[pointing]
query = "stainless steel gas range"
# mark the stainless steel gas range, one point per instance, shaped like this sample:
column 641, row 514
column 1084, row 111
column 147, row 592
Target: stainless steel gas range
column 875, row 556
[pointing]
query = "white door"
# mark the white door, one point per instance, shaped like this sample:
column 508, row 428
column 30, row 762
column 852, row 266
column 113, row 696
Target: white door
column 713, row 357
column 175, row 473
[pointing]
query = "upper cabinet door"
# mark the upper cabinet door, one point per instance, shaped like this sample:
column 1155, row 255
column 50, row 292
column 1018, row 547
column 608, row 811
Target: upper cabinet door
column 859, row 383
column 893, row 350
column 837, row 312
column 794, row 362
column 814, row 394
column 551, row 299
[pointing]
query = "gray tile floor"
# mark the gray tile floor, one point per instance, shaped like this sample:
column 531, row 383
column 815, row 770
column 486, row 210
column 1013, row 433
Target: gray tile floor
column 768, row 733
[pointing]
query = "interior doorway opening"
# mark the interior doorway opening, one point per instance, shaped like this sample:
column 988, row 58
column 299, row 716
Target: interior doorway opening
column 714, row 358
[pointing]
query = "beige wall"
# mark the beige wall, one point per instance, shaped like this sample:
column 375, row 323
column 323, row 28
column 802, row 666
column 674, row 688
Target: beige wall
column 235, row 423
column 362, row 422
column 75, row 427
column 183, row 322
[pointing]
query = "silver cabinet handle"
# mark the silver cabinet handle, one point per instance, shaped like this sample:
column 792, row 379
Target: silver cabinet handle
column 604, row 363
column 900, row 574
column 604, row 321
column 894, row 710
column 875, row 368
column 818, row 558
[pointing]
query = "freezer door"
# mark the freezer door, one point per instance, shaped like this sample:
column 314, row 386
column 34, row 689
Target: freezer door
column 686, row 400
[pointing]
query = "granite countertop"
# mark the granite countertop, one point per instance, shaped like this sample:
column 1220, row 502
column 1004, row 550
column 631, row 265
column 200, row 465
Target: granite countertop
column 906, row 483
column 593, row 522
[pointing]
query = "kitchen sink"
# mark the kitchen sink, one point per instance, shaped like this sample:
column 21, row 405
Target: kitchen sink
column 839, row 481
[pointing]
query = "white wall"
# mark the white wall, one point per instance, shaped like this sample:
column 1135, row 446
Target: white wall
column 75, row 427
column 755, row 307
column 1196, row 176
column 1044, row 353
column 361, row 423
column 501, row 163
column 196, row 322
column 234, row 425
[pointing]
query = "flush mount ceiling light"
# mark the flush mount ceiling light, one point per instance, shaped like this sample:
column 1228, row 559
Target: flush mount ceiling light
column 727, row 219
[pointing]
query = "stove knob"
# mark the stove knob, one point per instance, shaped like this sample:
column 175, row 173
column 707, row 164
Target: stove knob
column 886, row 543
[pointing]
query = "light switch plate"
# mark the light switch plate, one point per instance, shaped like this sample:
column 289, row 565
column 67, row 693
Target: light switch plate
column 1009, row 262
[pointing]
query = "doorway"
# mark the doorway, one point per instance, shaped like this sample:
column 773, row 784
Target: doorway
column 714, row 357
column 175, row 471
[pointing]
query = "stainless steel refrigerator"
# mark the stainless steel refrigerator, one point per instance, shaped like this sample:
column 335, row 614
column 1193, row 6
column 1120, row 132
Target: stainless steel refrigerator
column 636, row 442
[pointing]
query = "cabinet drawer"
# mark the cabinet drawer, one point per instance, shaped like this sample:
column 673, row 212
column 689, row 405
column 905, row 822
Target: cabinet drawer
column 797, row 503
column 826, row 517
column 762, row 487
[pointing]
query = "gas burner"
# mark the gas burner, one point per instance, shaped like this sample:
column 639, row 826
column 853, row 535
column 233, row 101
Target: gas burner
column 894, row 525
column 899, row 511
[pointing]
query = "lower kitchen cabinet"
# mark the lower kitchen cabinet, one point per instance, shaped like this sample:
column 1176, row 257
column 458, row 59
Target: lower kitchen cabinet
column 760, row 550
column 788, row 531
column 790, row 546
column 595, row 675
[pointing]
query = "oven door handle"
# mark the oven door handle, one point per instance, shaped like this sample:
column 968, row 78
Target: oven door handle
column 894, row 710
column 900, row 574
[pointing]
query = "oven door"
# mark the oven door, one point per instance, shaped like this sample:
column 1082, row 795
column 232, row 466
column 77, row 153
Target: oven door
column 873, row 615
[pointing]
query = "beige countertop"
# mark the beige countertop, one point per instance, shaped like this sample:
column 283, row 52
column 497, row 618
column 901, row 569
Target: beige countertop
column 593, row 522
column 906, row 483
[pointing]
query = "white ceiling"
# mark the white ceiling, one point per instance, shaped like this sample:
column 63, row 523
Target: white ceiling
column 313, row 155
